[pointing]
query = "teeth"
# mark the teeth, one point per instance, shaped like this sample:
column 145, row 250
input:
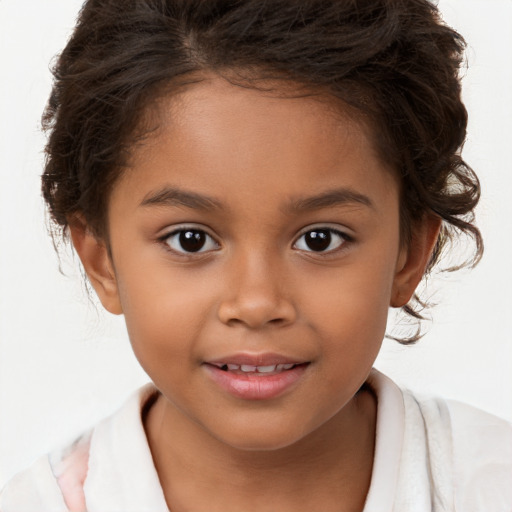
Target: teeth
column 267, row 369
column 248, row 368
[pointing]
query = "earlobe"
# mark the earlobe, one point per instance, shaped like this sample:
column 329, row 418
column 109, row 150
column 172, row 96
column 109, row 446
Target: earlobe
column 97, row 264
column 413, row 260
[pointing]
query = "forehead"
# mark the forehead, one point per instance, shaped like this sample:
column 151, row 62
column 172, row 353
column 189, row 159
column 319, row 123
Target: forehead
column 213, row 130
column 206, row 98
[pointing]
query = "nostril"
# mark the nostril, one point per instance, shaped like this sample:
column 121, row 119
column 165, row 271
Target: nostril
column 277, row 321
column 255, row 308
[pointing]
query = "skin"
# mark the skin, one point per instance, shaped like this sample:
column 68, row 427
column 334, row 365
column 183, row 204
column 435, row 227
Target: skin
column 257, row 287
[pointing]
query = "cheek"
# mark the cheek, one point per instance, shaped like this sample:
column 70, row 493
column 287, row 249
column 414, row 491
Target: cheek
column 164, row 311
column 350, row 304
column 350, row 319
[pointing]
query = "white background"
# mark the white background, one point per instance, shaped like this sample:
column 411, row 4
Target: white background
column 64, row 363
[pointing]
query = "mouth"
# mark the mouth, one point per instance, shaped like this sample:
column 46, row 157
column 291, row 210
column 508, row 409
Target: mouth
column 256, row 378
column 263, row 370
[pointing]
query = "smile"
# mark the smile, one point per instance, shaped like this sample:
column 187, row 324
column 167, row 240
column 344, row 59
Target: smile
column 247, row 368
column 256, row 381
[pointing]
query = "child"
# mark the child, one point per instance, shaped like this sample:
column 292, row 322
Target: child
column 252, row 185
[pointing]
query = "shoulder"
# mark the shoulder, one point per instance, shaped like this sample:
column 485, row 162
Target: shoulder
column 33, row 490
column 439, row 454
column 53, row 483
column 482, row 458
column 474, row 446
column 57, row 482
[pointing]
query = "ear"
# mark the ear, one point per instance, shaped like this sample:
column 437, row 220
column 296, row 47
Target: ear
column 413, row 260
column 97, row 264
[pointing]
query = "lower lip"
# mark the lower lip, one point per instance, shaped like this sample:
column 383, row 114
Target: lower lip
column 256, row 386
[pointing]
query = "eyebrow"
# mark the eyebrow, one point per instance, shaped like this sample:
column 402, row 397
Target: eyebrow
column 172, row 196
column 328, row 199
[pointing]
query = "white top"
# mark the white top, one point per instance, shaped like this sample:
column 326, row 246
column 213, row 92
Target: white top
column 430, row 455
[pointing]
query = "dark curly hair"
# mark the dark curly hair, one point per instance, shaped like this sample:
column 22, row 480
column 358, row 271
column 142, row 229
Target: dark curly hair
column 393, row 61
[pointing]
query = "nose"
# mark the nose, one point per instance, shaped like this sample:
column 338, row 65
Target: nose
column 256, row 296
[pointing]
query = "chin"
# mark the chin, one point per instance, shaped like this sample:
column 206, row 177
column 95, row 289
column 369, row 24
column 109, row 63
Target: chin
column 261, row 444
column 260, row 438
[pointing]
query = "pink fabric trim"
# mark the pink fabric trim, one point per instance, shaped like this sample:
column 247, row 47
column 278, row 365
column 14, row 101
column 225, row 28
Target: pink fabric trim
column 71, row 472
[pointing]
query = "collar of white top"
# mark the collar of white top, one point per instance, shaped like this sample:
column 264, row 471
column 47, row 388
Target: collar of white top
column 122, row 476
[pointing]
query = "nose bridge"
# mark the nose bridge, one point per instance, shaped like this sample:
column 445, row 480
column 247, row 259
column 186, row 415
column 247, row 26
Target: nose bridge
column 256, row 294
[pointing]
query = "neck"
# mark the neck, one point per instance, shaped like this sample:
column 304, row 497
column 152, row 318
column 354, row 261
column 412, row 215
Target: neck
column 329, row 469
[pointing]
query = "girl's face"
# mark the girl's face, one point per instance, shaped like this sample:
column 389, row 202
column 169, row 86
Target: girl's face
column 255, row 252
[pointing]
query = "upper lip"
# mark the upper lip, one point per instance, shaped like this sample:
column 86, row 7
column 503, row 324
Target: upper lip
column 262, row 359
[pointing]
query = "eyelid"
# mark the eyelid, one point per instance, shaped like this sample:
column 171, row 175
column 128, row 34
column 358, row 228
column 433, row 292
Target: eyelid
column 337, row 228
column 176, row 228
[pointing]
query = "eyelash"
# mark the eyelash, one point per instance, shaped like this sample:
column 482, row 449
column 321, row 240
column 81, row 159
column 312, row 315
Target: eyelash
column 207, row 239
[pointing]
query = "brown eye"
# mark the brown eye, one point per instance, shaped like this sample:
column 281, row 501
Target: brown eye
column 321, row 240
column 190, row 241
column 318, row 240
